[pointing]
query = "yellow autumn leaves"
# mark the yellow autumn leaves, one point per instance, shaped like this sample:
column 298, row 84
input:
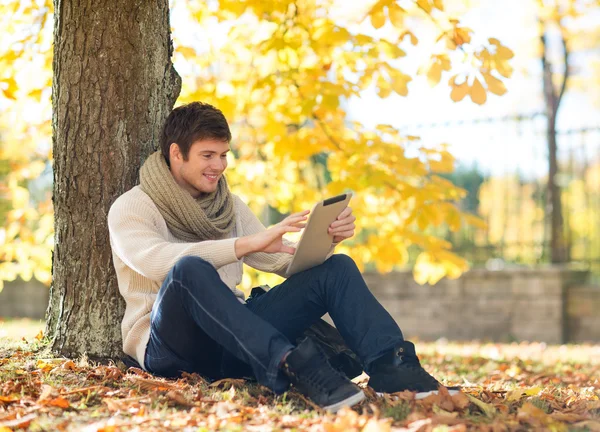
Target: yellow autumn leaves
column 283, row 74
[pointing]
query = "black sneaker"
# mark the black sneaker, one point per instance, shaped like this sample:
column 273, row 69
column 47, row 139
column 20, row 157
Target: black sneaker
column 310, row 372
column 400, row 370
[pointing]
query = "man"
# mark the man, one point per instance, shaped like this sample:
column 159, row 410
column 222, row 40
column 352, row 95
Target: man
column 179, row 240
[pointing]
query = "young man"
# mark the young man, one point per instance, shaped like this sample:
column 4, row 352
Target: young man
column 179, row 240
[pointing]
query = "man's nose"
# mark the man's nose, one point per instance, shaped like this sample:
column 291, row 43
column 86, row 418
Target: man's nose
column 219, row 165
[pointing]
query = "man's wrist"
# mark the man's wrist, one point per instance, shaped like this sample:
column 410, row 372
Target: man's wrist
column 243, row 246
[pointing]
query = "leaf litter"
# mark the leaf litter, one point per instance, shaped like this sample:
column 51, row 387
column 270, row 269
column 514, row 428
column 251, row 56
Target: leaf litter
column 504, row 389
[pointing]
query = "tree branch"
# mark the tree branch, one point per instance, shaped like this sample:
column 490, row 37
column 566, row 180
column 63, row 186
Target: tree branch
column 566, row 63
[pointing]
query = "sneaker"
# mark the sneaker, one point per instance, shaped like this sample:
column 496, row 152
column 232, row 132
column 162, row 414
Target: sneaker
column 400, row 370
column 313, row 376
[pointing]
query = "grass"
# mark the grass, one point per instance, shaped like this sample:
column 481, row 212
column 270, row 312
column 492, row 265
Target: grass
column 525, row 386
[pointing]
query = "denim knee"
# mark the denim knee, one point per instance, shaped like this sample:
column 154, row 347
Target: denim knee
column 192, row 265
column 341, row 262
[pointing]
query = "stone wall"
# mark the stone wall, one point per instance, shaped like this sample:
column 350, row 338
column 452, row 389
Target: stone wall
column 549, row 304
column 504, row 305
column 583, row 313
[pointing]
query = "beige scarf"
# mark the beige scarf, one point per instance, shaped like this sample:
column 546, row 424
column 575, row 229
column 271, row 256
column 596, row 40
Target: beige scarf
column 209, row 217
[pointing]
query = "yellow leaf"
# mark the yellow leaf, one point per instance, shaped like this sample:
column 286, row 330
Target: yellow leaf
column 425, row 5
column 477, row 93
column 396, row 15
column 393, row 51
column 458, row 91
column 40, row 335
column 413, row 39
column 517, row 394
column 383, row 87
column 487, row 409
column 187, row 52
column 377, row 17
column 504, row 68
column 45, row 367
column 438, row 4
column 434, row 74
column 453, row 218
column 474, row 221
column 399, row 81
column 11, row 88
column 494, row 84
column 462, row 35
column 502, row 52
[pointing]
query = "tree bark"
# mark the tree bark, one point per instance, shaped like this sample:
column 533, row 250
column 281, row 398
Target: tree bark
column 114, row 84
column 558, row 244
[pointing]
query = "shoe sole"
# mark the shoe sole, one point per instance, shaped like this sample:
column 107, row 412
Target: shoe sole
column 423, row 395
column 348, row 402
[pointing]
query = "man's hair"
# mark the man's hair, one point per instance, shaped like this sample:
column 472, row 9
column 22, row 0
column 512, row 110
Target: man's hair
column 189, row 123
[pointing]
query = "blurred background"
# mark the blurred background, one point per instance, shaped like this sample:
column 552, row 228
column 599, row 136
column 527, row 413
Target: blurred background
column 524, row 256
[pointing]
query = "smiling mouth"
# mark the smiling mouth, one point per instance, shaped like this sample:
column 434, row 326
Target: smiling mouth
column 211, row 177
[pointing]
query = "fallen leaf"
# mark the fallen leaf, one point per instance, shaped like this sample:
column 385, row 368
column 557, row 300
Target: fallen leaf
column 568, row 417
column 516, row 395
column 179, row 397
column 375, row 425
column 69, row 365
column 59, row 402
column 228, row 381
column 152, row 384
column 22, row 422
column 460, row 401
column 46, row 392
column 591, row 425
column 44, row 366
column 8, row 399
column 487, row 409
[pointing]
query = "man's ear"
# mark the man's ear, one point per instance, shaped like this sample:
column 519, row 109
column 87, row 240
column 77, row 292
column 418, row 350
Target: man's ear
column 174, row 152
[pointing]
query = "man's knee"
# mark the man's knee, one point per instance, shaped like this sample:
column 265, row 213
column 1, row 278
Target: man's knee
column 341, row 262
column 192, row 265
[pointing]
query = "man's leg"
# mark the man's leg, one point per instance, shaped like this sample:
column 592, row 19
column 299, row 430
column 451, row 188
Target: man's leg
column 337, row 287
column 196, row 315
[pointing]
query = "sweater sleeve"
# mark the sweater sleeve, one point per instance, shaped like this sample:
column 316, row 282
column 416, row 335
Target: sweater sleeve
column 136, row 239
column 272, row 263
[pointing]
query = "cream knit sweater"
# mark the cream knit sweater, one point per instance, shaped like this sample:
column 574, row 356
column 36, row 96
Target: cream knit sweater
column 144, row 251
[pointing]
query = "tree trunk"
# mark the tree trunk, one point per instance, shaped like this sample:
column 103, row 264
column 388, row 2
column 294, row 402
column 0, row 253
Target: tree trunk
column 114, row 84
column 558, row 244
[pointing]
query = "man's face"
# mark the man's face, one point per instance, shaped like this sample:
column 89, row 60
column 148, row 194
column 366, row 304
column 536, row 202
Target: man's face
column 206, row 163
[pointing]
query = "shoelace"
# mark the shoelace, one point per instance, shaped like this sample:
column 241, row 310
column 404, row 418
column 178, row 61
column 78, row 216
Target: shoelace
column 324, row 378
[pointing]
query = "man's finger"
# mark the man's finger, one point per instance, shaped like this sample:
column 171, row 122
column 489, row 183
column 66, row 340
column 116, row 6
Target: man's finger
column 342, row 228
column 288, row 249
column 342, row 222
column 344, row 214
column 344, row 234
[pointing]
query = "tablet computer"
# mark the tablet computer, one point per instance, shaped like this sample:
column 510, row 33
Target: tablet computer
column 315, row 242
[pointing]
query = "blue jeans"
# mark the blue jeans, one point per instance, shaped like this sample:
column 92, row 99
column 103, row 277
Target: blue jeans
column 198, row 325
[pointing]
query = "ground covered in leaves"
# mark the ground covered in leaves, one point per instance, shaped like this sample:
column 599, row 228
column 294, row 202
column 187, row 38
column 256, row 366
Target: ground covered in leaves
column 506, row 387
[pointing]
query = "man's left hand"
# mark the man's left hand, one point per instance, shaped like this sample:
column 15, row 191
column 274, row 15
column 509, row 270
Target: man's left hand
column 343, row 227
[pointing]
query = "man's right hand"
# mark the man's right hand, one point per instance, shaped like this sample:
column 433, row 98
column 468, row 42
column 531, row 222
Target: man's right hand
column 270, row 240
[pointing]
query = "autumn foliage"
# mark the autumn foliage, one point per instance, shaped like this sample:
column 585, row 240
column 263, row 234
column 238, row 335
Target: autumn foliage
column 282, row 72
column 505, row 388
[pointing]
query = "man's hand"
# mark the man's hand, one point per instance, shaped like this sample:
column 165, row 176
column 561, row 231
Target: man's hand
column 270, row 240
column 343, row 227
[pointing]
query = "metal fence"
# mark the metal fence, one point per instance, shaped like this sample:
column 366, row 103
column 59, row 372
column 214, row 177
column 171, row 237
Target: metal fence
column 511, row 154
